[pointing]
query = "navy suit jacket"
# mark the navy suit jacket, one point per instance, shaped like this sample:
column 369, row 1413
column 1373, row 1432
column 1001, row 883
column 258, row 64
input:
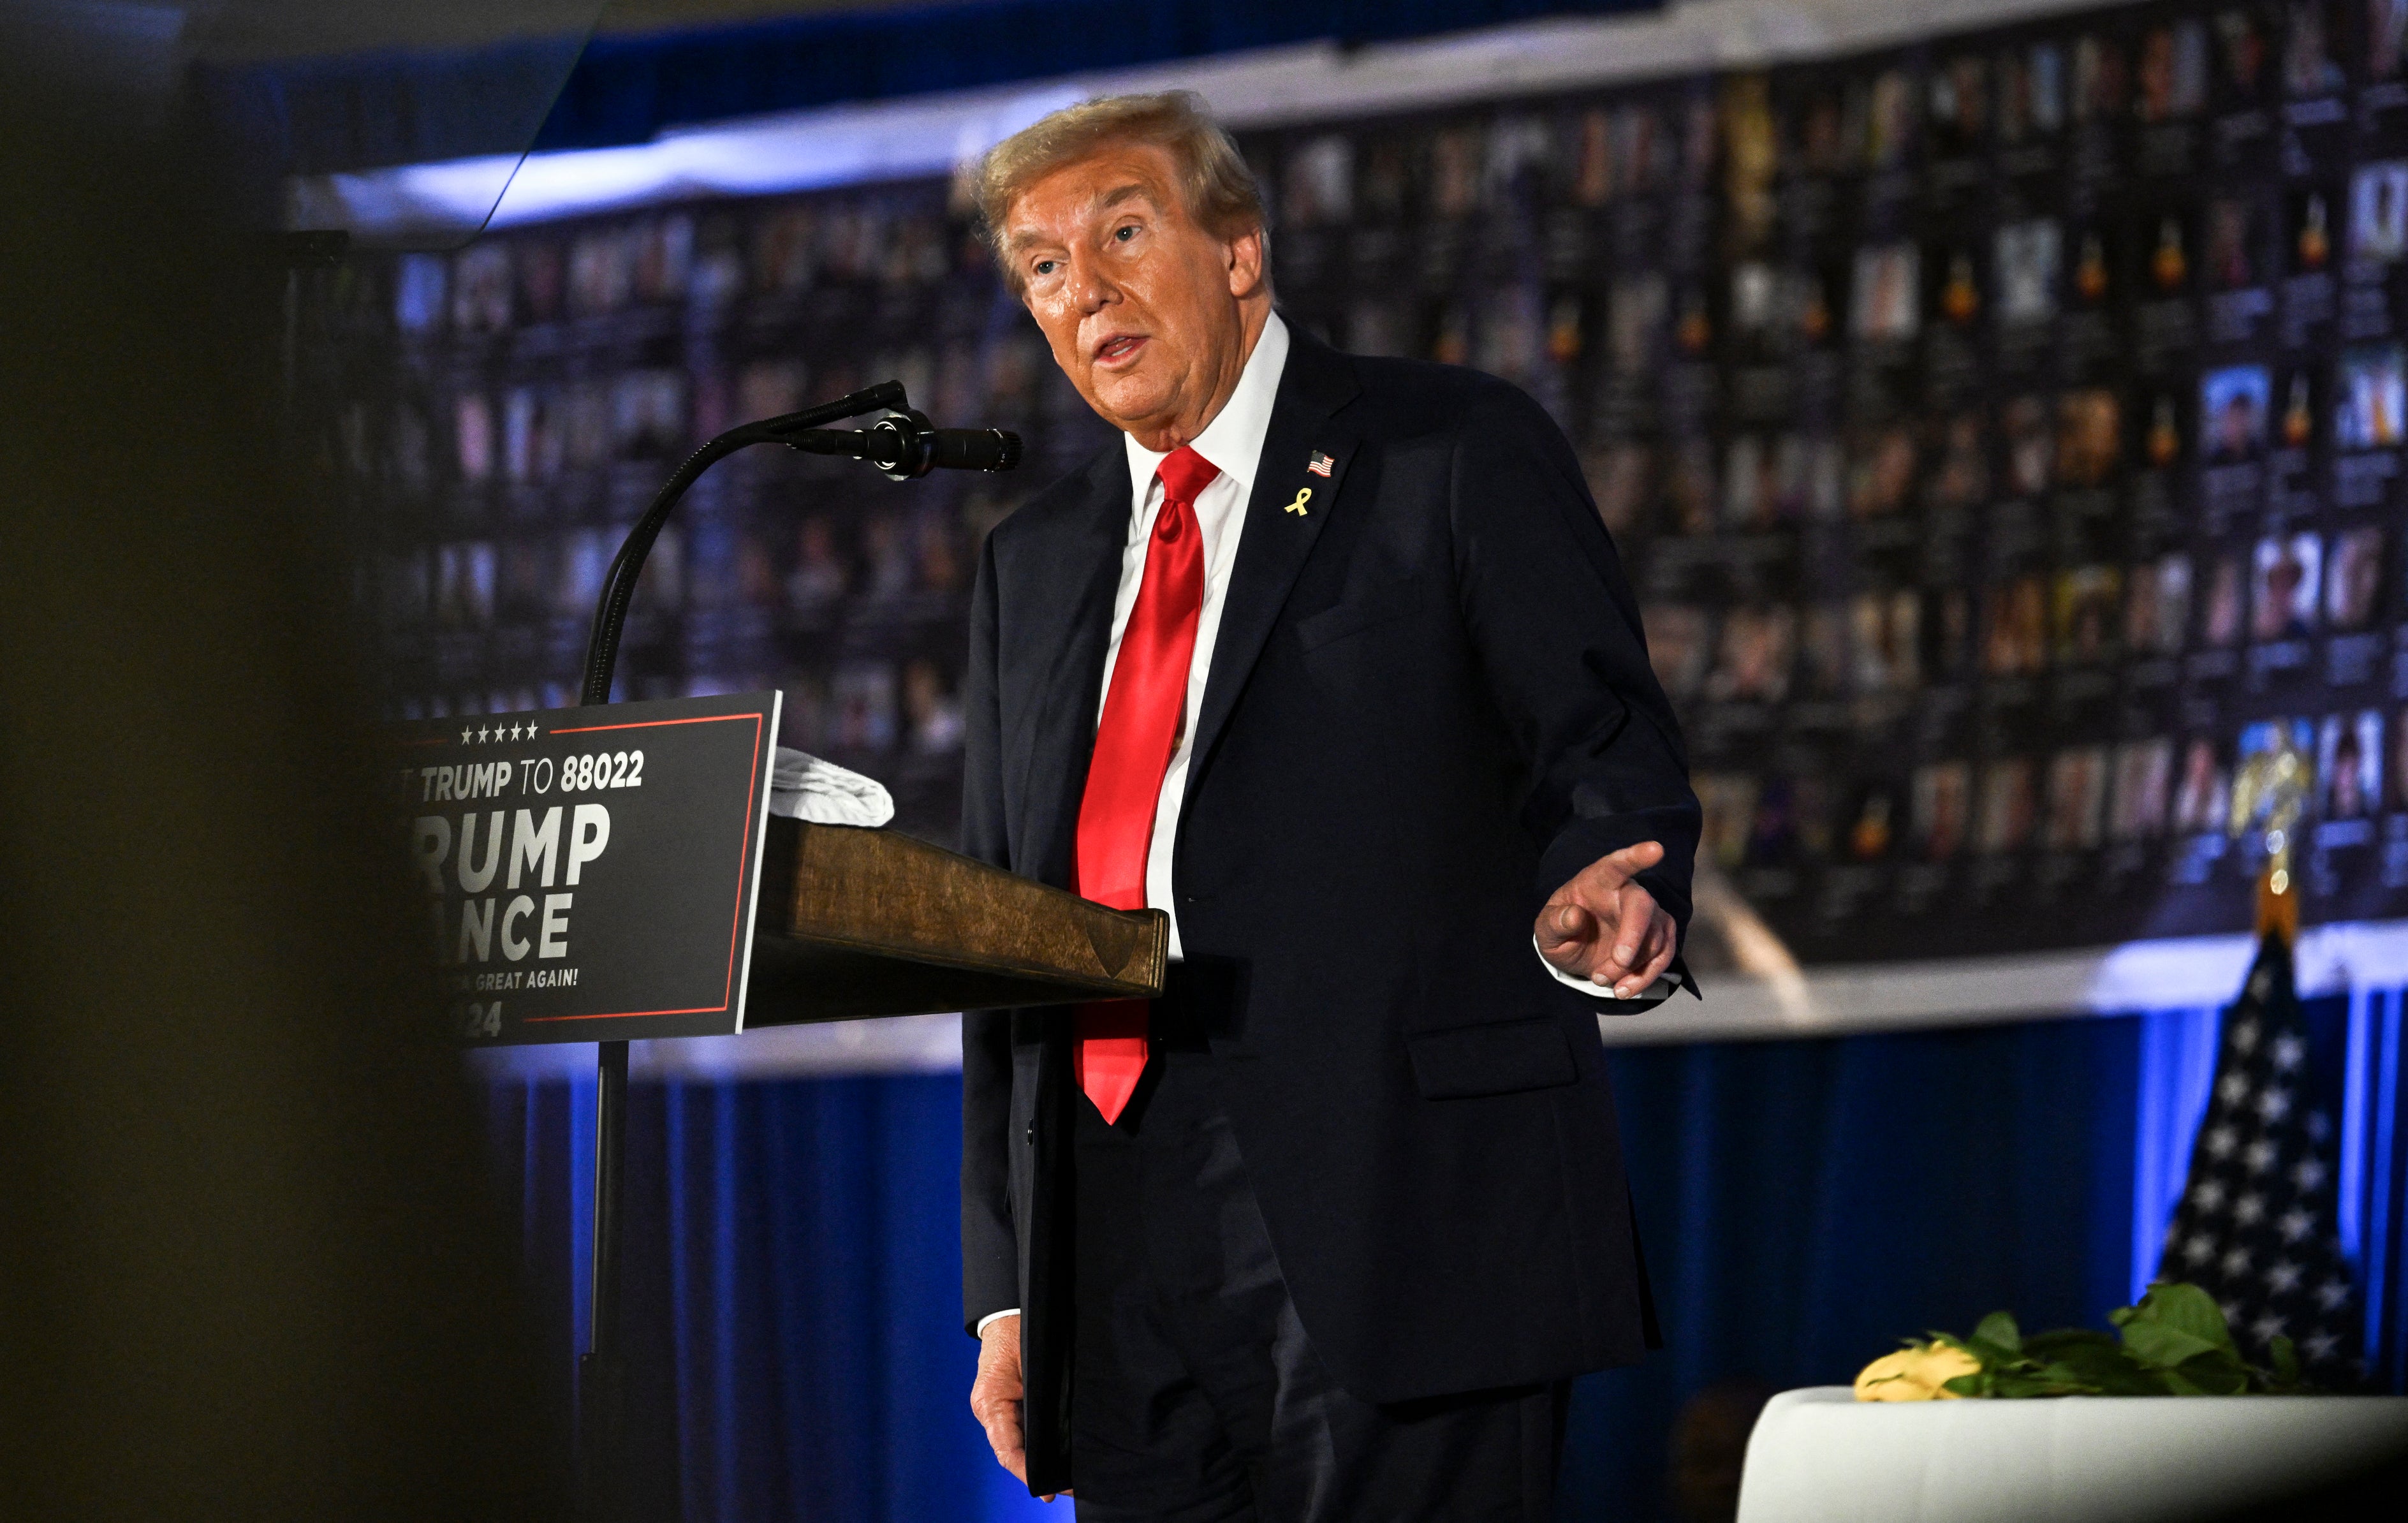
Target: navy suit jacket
column 1430, row 706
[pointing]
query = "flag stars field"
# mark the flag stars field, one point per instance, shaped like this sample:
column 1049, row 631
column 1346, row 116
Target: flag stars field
column 2256, row 1226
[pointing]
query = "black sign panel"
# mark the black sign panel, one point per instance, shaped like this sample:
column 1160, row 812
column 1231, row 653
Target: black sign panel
column 590, row 873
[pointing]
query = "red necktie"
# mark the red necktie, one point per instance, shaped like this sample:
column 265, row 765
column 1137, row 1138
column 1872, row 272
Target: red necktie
column 1134, row 740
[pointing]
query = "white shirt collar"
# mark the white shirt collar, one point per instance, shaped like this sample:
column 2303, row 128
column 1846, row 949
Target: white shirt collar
column 1233, row 440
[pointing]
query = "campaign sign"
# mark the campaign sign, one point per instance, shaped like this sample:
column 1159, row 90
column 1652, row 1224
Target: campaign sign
column 590, row 873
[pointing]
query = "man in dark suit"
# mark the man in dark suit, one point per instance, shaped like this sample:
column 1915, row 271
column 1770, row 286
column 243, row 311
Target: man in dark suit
column 1332, row 660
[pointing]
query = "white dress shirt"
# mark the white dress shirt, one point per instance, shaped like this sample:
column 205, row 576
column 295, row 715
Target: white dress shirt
column 1233, row 441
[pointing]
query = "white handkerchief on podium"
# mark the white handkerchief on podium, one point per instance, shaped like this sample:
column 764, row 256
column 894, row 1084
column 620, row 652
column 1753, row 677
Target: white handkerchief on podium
column 803, row 787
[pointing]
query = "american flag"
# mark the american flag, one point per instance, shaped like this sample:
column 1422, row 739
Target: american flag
column 2256, row 1226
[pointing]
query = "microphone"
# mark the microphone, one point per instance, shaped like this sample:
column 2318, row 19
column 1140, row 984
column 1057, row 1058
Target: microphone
column 977, row 449
column 906, row 446
column 903, row 444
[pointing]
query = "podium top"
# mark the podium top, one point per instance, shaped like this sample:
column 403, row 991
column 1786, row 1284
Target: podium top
column 856, row 922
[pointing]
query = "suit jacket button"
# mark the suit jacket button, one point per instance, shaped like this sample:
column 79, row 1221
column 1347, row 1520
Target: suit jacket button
column 1032, row 1132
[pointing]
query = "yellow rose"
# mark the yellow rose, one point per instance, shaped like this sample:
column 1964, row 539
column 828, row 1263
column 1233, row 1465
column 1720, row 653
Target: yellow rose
column 1920, row 1374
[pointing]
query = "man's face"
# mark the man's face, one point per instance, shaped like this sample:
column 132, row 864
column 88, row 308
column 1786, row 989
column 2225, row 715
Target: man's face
column 1142, row 308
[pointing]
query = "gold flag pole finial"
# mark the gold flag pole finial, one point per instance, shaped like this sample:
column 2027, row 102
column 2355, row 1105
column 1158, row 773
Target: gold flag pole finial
column 2270, row 794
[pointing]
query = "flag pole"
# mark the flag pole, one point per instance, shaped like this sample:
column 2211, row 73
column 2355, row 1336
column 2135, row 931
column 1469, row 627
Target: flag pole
column 2278, row 904
column 2270, row 795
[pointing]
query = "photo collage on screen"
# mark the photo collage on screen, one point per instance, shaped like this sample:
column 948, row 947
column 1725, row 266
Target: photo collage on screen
column 2002, row 436
column 534, row 391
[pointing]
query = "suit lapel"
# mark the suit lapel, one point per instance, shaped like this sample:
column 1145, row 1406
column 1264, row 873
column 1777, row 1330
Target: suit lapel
column 1071, row 617
column 1281, row 524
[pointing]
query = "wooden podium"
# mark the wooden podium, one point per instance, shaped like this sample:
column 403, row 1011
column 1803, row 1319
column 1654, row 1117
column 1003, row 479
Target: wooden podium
column 856, row 922
column 848, row 922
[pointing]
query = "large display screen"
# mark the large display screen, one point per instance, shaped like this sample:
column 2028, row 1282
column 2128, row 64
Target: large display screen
column 2003, row 434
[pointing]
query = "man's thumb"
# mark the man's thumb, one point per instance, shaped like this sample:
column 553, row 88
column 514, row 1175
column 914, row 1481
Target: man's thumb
column 1564, row 923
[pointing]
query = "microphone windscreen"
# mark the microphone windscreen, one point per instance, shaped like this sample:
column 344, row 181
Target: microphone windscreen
column 977, row 449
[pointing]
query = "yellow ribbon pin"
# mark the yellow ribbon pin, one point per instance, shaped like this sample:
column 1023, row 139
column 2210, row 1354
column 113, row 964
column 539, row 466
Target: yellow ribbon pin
column 1303, row 496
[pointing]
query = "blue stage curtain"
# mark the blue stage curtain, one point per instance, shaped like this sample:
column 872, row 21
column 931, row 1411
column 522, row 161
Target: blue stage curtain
column 793, row 1275
column 792, row 1294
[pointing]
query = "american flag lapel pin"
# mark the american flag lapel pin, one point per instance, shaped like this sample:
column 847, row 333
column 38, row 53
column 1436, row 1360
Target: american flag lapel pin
column 1320, row 464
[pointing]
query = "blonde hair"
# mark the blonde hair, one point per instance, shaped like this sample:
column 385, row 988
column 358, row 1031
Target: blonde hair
column 1214, row 183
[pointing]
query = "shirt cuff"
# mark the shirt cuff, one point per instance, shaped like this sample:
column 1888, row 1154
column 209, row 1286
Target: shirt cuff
column 1655, row 994
column 993, row 1317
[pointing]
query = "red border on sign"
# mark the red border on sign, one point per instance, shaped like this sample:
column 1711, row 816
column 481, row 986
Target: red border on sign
column 743, row 862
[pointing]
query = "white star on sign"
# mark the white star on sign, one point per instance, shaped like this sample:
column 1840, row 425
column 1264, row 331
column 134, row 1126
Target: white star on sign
column 2268, row 1327
column 2332, row 1293
column 2274, row 1104
column 2248, row 1209
column 2207, row 1195
column 2244, row 1036
column 2321, row 1347
column 464, row 736
column 2284, row 1276
column 2260, row 1157
column 2309, row 1174
column 2288, row 1050
column 2297, row 1224
column 2234, row 1088
column 2235, row 1262
column 2221, row 1140
column 2200, row 1249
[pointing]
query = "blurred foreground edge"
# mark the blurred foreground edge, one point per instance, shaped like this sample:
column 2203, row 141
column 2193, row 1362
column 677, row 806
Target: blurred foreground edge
column 247, row 1254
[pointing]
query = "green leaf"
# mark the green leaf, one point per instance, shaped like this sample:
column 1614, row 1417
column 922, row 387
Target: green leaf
column 2080, row 1361
column 2160, row 1347
column 1978, row 1384
column 2104, row 1372
column 2217, row 1373
column 2052, row 1380
column 2287, row 1363
column 1993, row 1356
column 2048, row 1346
column 1999, row 1327
column 2188, row 1309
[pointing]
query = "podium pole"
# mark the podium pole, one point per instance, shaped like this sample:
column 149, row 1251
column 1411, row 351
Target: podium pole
column 601, row 1388
column 601, row 1452
column 903, row 446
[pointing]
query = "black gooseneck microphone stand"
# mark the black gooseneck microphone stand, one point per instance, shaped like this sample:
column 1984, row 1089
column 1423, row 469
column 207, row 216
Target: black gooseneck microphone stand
column 904, row 446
